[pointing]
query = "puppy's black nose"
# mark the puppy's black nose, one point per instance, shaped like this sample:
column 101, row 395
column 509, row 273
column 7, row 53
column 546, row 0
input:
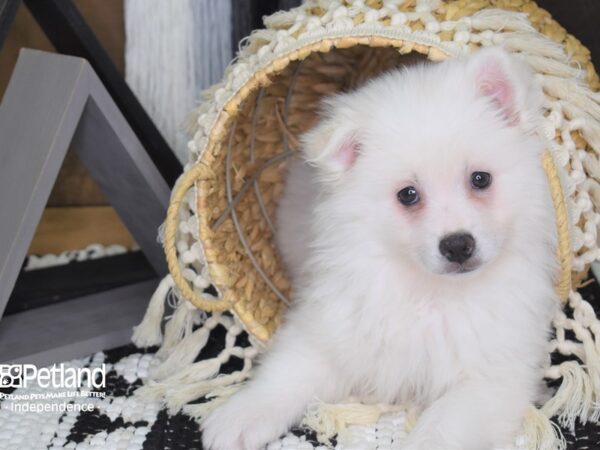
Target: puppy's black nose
column 457, row 247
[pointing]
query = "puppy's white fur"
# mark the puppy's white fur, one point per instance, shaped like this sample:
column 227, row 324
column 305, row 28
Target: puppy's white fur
column 378, row 312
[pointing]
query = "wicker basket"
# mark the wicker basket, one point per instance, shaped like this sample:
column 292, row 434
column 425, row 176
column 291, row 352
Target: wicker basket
column 219, row 228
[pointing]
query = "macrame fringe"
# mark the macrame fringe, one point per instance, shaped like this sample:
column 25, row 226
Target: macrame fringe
column 212, row 388
column 177, row 327
column 541, row 433
column 498, row 19
column 148, row 333
column 182, row 387
column 160, row 235
column 182, row 354
column 574, row 398
column 561, row 87
column 216, row 398
column 197, row 380
column 578, row 396
column 329, row 420
column 559, row 69
column 521, row 41
column 281, row 19
column 178, row 378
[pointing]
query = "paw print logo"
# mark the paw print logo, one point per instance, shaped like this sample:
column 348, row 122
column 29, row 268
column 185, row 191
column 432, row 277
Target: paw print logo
column 10, row 376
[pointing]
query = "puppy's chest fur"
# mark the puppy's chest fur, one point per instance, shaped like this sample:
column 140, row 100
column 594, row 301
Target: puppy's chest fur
column 392, row 344
column 402, row 351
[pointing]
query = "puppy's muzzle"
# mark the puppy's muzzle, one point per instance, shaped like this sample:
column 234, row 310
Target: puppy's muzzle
column 457, row 247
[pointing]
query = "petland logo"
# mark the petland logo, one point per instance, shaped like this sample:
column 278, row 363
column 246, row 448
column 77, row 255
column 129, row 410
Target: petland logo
column 57, row 376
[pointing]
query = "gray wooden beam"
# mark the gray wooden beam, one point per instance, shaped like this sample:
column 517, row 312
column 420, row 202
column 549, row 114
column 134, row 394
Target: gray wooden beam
column 74, row 328
column 38, row 116
column 50, row 101
column 117, row 161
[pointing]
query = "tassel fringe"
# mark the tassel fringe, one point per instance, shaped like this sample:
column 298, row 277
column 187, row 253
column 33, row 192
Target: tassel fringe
column 329, row 420
column 574, row 398
column 148, row 333
column 179, row 326
column 541, row 433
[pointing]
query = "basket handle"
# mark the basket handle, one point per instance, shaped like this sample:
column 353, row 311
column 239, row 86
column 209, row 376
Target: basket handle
column 563, row 250
column 197, row 172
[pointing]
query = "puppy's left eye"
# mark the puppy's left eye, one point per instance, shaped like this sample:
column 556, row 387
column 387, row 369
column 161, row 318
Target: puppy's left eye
column 481, row 180
column 408, row 196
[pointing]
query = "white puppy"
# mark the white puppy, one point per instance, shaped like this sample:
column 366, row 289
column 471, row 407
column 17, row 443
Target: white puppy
column 420, row 236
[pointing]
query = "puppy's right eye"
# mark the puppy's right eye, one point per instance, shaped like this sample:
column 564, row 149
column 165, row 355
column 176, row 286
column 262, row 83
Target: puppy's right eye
column 408, row 196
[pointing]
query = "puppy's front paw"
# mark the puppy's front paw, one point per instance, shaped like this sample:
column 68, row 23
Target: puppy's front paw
column 242, row 423
column 220, row 431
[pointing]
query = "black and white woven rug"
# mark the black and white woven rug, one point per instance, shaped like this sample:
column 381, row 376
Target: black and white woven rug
column 116, row 419
column 120, row 420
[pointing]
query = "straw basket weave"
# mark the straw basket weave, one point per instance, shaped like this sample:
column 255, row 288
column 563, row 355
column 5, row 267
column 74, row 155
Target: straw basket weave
column 219, row 227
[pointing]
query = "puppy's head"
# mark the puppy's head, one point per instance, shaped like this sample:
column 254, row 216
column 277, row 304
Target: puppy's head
column 436, row 164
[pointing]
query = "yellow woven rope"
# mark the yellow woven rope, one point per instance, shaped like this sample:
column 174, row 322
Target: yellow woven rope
column 563, row 282
column 187, row 180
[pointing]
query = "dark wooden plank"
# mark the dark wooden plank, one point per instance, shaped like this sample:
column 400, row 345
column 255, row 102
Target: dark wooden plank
column 8, row 11
column 289, row 4
column 43, row 287
column 241, row 23
column 73, row 228
column 51, row 101
column 69, row 33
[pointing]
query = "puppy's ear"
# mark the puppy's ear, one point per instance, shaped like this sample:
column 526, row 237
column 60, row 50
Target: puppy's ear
column 508, row 82
column 332, row 145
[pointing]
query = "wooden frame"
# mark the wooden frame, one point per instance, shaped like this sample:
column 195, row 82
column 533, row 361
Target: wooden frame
column 52, row 101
